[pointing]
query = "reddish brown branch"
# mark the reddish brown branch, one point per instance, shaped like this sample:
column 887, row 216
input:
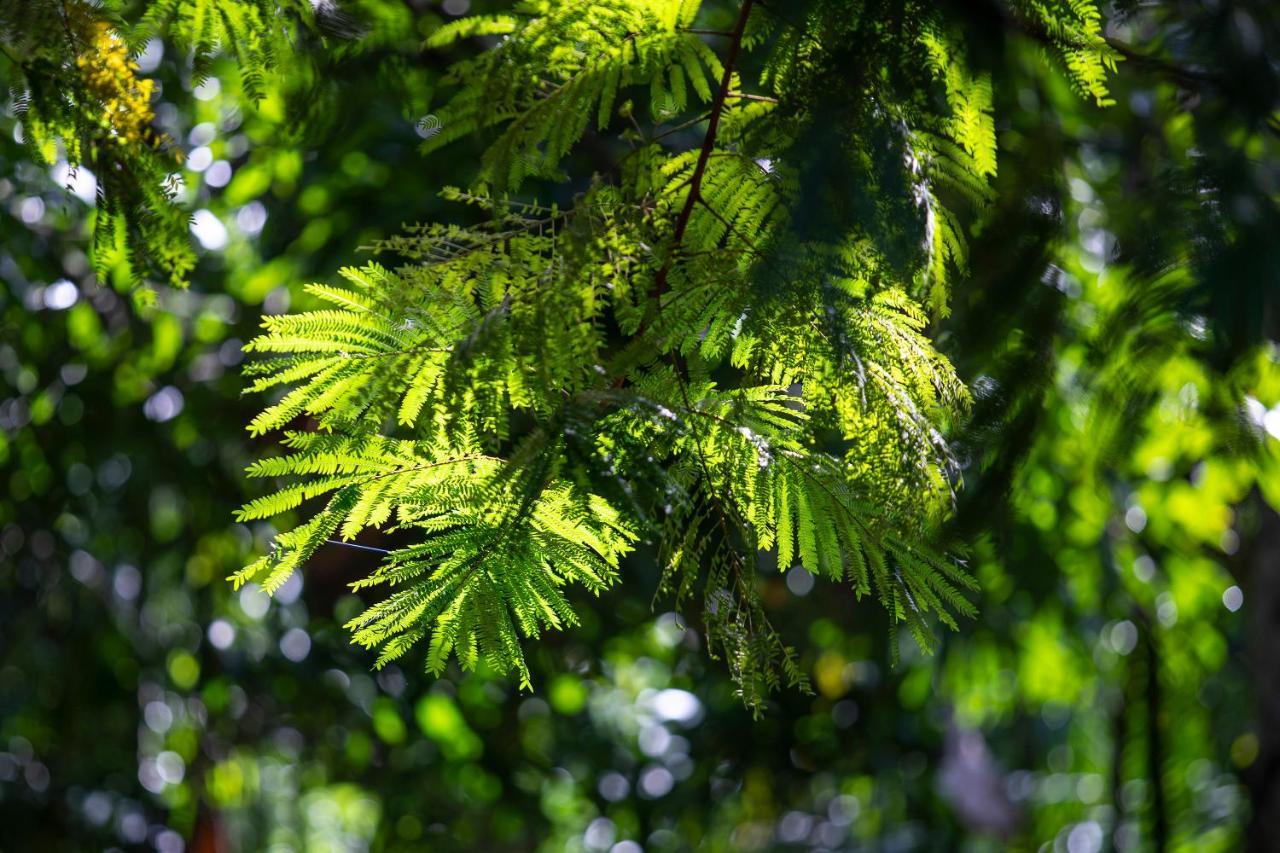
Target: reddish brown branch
column 708, row 145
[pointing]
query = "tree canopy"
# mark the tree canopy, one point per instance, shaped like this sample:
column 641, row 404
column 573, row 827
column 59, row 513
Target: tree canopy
column 623, row 375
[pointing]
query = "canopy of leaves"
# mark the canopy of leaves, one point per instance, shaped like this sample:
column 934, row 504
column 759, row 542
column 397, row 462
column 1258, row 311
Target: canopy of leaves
column 733, row 367
column 933, row 196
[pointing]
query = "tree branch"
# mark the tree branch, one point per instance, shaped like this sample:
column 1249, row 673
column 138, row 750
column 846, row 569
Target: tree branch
column 661, row 284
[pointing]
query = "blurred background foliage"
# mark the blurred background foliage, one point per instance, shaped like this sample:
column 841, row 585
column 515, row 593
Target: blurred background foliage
column 1118, row 691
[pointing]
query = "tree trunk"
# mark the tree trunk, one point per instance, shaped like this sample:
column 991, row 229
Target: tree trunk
column 1263, row 600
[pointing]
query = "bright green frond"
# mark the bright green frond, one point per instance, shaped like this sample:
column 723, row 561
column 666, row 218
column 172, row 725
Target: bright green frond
column 721, row 342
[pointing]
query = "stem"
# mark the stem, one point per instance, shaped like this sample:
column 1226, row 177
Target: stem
column 747, row 96
column 661, row 284
column 1155, row 746
column 383, row 551
column 701, row 32
column 683, row 126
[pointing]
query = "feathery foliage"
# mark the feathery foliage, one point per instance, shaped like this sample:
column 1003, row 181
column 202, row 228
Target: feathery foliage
column 1074, row 33
column 83, row 100
column 256, row 33
column 721, row 346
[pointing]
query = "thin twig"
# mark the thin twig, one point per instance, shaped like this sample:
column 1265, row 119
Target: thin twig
column 747, row 96
column 700, row 32
column 357, row 547
column 683, row 126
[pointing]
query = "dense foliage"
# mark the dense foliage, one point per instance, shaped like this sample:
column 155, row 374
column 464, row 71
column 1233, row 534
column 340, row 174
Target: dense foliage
column 730, row 295
column 716, row 346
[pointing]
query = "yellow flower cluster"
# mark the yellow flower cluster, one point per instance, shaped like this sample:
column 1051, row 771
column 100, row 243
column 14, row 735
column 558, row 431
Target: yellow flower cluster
column 110, row 78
